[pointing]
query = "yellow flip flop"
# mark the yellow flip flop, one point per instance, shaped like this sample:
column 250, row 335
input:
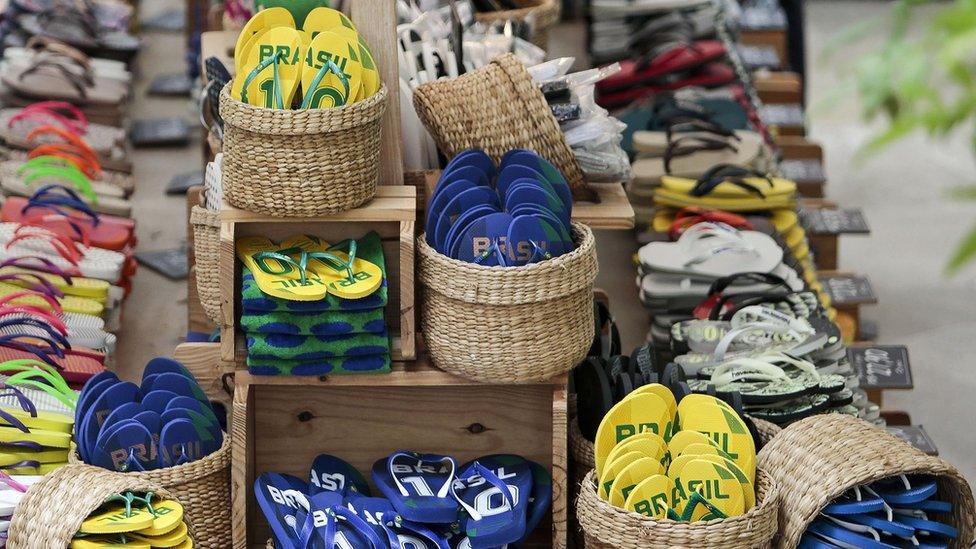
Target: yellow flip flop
column 106, row 542
column 785, row 220
column 651, row 497
column 645, row 412
column 664, row 197
column 715, row 484
column 44, row 457
column 168, row 516
column 50, row 439
column 41, row 470
column 371, row 74
column 611, row 471
column 114, row 520
column 43, row 420
column 262, row 20
column 647, row 444
column 772, row 187
column 173, row 538
column 628, row 478
column 748, row 489
column 683, row 439
column 345, row 278
column 271, row 71
column 726, row 428
column 69, row 303
column 322, row 19
column 80, row 286
column 278, row 274
column 667, row 396
column 332, row 73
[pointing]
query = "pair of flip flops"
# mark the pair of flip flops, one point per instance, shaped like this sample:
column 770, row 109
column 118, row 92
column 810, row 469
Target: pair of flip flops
column 425, row 501
column 727, row 187
column 306, row 268
column 327, row 58
column 164, row 422
column 512, row 214
column 137, row 520
column 893, row 513
column 700, row 467
column 75, row 217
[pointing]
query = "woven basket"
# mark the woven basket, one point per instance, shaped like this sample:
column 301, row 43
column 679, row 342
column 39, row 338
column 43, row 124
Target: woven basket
column 544, row 14
column 301, row 163
column 203, row 487
column 53, row 509
column 819, row 458
column 497, row 108
column 607, row 527
column 581, row 462
column 206, row 246
column 509, row 324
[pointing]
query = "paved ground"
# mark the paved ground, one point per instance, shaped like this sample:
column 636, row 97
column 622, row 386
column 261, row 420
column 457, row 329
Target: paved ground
column 902, row 191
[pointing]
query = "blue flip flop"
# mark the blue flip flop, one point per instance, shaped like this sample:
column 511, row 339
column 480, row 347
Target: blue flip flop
column 535, row 239
column 855, row 502
column 490, row 505
column 542, row 211
column 162, row 365
column 92, row 389
column 158, row 400
column 445, row 220
column 472, row 157
column 279, row 497
column 879, row 523
column 124, row 412
column 418, row 485
column 529, row 483
column 379, row 514
column 153, row 423
column 552, row 174
column 841, row 536
column 312, row 518
column 179, row 443
column 147, row 383
column 539, row 501
column 439, row 200
column 525, row 193
column 929, row 506
column 810, row 541
column 113, row 397
column 208, row 417
column 125, row 448
column 411, row 535
column 182, row 386
column 332, row 474
column 544, row 185
column 208, row 433
column 484, row 241
column 346, row 529
column 930, row 527
column 474, row 174
column 460, row 224
column 905, row 491
column 513, row 172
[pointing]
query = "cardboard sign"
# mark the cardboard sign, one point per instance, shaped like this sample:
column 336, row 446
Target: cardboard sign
column 834, row 221
column 882, row 366
column 849, row 289
column 916, row 436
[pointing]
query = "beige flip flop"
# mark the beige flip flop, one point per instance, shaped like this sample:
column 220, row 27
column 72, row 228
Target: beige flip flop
column 63, row 78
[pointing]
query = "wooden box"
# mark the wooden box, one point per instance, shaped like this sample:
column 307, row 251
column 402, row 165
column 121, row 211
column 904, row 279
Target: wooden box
column 281, row 424
column 391, row 214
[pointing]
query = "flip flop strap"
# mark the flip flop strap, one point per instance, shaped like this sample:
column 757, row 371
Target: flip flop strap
column 69, row 252
column 87, row 165
column 686, row 217
column 327, row 67
column 696, row 499
column 68, row 175
column 29, row 322
column 492, row 479
column 81, row 233
column 42, row 284
column 52, row 202
column 699, row 125
column 51, row 301
column 69, row 138
column 732, row 174
column 260, row 259
column 46, row 266
column 690, row 144
column 48, row 116
column 721, row 284
column 737, row 333
column 71, row 15
column 495, row 248
column 441, row 492
column 22, row 400
column 75, row 116
column 52, row 344
column 9, row 481
column 741, row 317
column 76, row 81
column 357, row 523
column 272, row 60
column 744, row 369
column 42, row 44
column 36, row 312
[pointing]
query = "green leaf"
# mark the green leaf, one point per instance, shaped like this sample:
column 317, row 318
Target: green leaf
column 965, row 252
column 963, row 192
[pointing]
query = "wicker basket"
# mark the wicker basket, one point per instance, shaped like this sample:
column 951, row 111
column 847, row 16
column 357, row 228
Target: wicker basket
column 543, row 13
column 497, row 108
column 203, row 487
column 301, row 163
column 816, row 460
column 606, row 527
column 206, row 246
column 509, row 324
column 581, row 462
column 54, row 508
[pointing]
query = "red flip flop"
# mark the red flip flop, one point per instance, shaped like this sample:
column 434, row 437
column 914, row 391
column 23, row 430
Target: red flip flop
column 682, row 57
column 686, row 217
column 709, row 76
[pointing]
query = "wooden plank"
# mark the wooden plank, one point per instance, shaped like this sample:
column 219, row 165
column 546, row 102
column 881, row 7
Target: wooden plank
column 203, row 361
column 392, row 203
column 799, row 148
column 775, row 38
column 227, row 269
column 377, row 21
column 242, row 466
column 408, row 314
column 778, row 87
column 560, row 467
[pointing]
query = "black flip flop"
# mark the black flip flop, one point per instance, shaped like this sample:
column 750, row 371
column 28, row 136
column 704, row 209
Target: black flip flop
column 594, row 395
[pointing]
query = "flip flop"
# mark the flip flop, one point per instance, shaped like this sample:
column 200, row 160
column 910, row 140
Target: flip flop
column 646, row 412
column 280, row 497
column 332, row 474
column 494, row 510
column 629, row 477
column 270, row 74
column 550, row 173
column 179, row 443
column 710, row 250
column 651, row 497
column 276, row 273
column 472, row 157
column 717, row 420
column 157, row 400
column 714, row 483
column 418, row 485
column 646, row 444
column 94, row 412
column 173, row 538
column 332, row 73
column 346, row 276
column 485, row 241
column 450, row 241
column 126, row 447
column 452, row 212
column 267, row 18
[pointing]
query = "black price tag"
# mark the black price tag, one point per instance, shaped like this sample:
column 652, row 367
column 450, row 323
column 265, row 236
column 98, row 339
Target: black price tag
column 834, row 221
column 882, row 366
column 849, row 289
column 916, row 436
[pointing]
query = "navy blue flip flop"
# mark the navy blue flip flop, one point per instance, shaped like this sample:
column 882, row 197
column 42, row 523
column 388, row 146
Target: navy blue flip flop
column 529, row 483
column 418, row 485
column 209, row 419
column 535, row 239
column 849, row 504
column 551, row 174
column 457, row 206
column 437, row 203
column 113, row 397
column 523, row 193
column 895, row 492
column 332, row 474
column 484, row 241
column 460, row 224
column 208, row 434
column 472, row 157
column 279, row 497
column 841, row 536
column 158, row 400
column 182, row 386
column 493, row 512
column 162, row 365
column 179, row 443
column 125, row 448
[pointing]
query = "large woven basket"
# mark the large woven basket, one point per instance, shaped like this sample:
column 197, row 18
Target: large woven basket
column 203, row 487
column 304, row 162
column 581, row 462
column 543, row 15
column 608, row 527
column 54, row 508
column 497, row 108
column 509, row 324
column 816, row 460
column 206, row 244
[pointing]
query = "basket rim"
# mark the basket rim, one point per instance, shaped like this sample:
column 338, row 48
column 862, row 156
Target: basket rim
column 770, row 502
column 187, row 472
column 288, row 115
column 587, row 241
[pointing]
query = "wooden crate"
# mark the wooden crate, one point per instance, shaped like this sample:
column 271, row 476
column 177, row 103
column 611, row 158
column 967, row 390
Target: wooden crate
column 391, row 214
column 778, row 87
column 776, row 38
column 802, row 149
column 281, row 423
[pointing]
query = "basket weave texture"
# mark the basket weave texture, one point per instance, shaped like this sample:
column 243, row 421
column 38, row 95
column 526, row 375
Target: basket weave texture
column 206, row 247
column 544, row 14
column 301, row 162
column 52, row 511
column 203, row 487
column 819, row 458
column 509, row 324
column 497, row 108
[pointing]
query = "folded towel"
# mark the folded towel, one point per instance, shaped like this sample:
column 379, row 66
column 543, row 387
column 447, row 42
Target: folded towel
column 370, row 364
column 301, row 347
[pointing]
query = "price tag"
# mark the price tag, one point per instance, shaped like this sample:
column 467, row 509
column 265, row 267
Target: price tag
column 916, row 436
column 834, row 221
column 849, row 289
column 882, row 366
column 763, row 18
column 159, row 132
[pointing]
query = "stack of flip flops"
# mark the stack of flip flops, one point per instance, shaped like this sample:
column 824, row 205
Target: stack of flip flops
column 618, row 31
column 36, row 421
column 164, row 422
column 427, row 499
column 673, row 471
column 324, row 55
column 510, row 215
column 12, row 490
column 98, row 28
column 134, row 519
column 887, row 514
column 313, row 308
